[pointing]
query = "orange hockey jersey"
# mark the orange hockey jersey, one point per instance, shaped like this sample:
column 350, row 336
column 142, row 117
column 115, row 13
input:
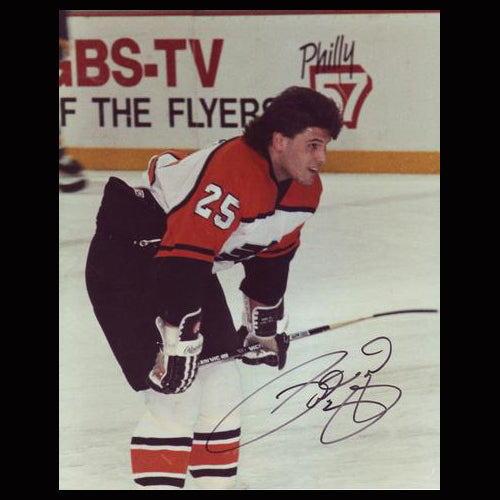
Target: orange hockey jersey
column 224, row 205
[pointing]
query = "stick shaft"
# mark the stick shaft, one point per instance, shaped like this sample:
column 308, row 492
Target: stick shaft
column 237, row 353
column 334, row 326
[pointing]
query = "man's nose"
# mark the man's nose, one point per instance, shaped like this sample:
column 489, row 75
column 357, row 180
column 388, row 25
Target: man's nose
column 321, row 156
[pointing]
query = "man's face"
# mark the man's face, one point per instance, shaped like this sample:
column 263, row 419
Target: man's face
column 299, row 158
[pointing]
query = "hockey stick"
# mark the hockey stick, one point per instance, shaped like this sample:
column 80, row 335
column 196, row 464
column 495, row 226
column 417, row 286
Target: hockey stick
column 238, row 353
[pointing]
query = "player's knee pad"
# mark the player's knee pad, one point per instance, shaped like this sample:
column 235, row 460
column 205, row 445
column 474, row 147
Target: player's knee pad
column 221, row 396
column 174, row 409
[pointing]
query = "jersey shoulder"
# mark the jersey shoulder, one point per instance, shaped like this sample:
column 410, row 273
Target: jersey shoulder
column 245, row 173
column 236, row 160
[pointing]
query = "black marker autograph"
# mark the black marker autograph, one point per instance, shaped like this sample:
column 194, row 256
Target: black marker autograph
column 326, row 385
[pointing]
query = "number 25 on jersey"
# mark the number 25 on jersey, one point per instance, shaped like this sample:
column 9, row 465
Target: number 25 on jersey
column 225, row 218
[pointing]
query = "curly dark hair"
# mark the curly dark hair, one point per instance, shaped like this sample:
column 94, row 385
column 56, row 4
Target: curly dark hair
column 291, row 112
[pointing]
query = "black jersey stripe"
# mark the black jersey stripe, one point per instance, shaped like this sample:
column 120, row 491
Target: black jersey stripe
column 296, row 209
column 192, row 248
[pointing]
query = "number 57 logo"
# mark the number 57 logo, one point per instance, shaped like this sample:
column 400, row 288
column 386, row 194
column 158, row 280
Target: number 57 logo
column 347, row 85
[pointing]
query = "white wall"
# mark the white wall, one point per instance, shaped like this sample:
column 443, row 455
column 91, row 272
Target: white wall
column 388, row 62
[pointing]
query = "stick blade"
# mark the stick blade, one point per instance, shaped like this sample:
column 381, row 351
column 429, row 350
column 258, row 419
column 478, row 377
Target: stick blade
column 405, row 311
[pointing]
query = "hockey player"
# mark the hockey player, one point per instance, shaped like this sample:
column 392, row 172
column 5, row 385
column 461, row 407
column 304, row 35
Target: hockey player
column 152, row 279
column 70, row 170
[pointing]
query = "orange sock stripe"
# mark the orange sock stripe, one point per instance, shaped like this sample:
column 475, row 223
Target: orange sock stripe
column 217, row 454
column 159, row 461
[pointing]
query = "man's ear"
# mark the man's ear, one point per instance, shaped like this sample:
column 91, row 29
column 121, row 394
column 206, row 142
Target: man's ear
column 278, row 141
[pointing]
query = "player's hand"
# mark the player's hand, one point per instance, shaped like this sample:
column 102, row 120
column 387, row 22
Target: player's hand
column 177, row 362
column 264, row 325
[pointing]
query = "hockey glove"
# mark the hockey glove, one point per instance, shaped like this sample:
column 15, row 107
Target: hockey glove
column 264, row 325
column 177, row 363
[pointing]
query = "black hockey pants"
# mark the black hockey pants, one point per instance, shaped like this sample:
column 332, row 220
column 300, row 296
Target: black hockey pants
column 118, row 282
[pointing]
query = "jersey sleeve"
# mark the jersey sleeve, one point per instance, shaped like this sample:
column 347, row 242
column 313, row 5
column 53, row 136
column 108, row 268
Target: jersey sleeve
column 266, row 275
column 298, row 200
column 266, row 278
column 290, row 242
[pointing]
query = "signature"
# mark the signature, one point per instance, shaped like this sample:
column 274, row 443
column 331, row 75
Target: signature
column 353, row 397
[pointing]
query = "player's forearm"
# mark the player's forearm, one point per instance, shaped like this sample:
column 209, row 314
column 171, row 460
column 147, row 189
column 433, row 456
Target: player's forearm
column 179, row 284
column 266, row 279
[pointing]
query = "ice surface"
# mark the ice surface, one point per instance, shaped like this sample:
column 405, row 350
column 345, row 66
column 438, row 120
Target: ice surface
column 373, row 246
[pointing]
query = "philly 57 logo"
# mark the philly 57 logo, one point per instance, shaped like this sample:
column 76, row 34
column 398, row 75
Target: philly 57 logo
column 348, row 85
